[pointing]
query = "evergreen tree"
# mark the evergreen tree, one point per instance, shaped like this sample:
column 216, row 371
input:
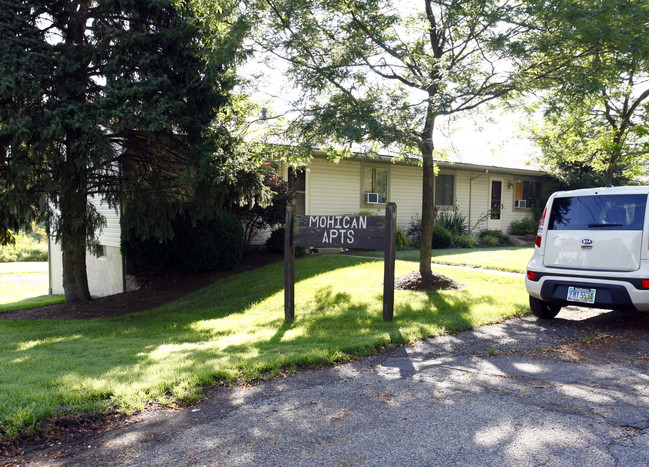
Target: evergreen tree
column 113, row 99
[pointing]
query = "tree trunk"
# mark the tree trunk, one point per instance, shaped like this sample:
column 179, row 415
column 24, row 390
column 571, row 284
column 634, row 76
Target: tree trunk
column 428, row 191
column 427, row 212
column 74, row 222
column 75, row 277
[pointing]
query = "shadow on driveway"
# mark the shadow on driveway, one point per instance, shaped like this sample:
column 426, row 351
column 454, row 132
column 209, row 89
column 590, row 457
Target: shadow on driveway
column 570, row 391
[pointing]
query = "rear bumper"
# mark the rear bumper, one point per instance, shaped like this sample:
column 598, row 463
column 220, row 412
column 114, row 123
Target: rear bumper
column 606, row 296
column 620, row 292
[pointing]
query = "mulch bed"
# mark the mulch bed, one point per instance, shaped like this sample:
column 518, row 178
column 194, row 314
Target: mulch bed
column 154, row 290
column 415, row 281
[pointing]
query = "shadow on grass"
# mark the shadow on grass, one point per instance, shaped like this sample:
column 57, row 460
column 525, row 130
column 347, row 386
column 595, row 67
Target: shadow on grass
column 168, row 353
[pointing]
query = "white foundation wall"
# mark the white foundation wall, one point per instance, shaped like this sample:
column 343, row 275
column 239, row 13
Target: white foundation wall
column 106, row 274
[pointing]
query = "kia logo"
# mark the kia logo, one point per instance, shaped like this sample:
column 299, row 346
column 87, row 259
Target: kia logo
column 586, row 241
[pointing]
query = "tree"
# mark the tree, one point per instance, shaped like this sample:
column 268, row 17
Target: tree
column 596, row 112
column 258, row 216
column 377, row 73
column 114, row 100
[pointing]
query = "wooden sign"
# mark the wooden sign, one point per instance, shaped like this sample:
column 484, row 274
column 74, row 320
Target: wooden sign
column 358, row 232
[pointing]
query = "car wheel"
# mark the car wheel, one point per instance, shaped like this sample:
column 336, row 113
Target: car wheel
column 543, row 310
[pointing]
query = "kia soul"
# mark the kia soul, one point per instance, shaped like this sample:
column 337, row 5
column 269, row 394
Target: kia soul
column 592, row 249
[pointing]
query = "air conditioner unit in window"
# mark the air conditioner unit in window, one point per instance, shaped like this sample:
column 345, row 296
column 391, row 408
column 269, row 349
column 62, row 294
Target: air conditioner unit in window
column 372, row 198
column 521, row 203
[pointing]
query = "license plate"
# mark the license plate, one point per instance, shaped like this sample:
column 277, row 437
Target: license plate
column 576, row 294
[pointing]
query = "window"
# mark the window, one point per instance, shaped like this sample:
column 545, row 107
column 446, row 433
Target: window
column 602, row 212
column 375, row 180
column 527, row 192
column 444, row 190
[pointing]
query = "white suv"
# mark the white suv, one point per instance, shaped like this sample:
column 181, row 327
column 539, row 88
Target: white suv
column 592, row 249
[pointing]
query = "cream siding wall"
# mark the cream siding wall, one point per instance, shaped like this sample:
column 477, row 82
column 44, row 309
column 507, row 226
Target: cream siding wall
column 106, row 272
column 337, row 189
column 110, row 234
column 406, row 191
column 462, row 191
column 478, row 187
column 473, row 198
column 334, row 188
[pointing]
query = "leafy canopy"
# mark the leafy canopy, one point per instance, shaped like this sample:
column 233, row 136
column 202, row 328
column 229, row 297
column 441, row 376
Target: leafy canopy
column 595, row 112
column 375, row 75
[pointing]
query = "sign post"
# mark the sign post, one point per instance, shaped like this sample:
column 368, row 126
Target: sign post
column 389, row 256
column 361, row 232
column 289, row 266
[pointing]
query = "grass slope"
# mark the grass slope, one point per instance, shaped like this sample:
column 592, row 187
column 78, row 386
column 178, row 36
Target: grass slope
column 233, row 329
column 511, row 259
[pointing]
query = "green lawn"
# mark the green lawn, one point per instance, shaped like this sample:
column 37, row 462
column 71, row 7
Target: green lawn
column 233, row 329
column 26, row 267
column 24, row 285
column 512, row 259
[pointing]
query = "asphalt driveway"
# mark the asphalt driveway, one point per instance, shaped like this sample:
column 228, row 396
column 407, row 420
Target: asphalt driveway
column 572, row 391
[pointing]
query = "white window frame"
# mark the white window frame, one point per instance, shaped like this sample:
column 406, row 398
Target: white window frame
column 364, row 168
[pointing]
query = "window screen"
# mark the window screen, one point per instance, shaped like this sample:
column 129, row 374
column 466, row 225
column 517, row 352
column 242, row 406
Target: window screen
column 444, row 188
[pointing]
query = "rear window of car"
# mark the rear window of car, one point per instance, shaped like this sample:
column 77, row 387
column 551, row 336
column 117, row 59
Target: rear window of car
column 598, row 212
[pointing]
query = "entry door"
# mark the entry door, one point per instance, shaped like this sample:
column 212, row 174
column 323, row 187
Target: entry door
column 496, row 205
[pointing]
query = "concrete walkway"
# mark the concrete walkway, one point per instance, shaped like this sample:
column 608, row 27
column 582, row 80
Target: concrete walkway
column 571, row 391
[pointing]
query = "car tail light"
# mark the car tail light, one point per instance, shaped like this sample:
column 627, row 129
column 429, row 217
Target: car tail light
column 645, row 284
column 531, row 275
column 539, row 232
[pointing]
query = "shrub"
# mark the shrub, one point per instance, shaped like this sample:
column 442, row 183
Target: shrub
column 275, row 243
column 211, row 244
column 402, row 241
column 490, row 240
column 258, row 218
column 413, row 232
column 442, row 238
column 29, row 246
column 464, row 241
column 492, row 237
column 453, row 220
column 527, row 226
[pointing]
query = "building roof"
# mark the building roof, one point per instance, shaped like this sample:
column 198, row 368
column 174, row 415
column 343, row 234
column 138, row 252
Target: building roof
column 446, row 164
